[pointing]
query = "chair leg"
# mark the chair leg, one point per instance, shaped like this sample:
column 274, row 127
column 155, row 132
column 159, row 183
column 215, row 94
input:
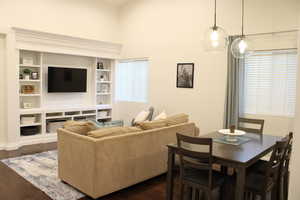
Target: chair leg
column 286, row 185
column 201, row 194
column 193, row 193
column 181, row 190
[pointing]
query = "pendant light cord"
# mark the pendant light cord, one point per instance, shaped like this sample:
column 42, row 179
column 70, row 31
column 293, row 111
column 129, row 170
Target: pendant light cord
column 215, row 22
column 243, row 13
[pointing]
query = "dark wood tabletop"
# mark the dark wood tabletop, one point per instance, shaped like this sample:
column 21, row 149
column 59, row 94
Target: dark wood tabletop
column 236, row 156
column 244, row 153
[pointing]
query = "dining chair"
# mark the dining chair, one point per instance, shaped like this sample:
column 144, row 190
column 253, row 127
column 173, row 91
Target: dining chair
column 285, row 170
column 283, row 179
column 263, row 181
column 196, row 172
column 244, row 121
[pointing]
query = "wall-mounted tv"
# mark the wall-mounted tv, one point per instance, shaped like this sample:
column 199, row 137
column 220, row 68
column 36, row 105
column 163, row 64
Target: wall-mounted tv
column 66, row 79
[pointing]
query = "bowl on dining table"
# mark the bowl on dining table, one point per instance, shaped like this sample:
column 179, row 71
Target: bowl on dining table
column 232, row 137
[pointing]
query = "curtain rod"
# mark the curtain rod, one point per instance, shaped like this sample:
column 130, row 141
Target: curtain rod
column 270, row 33
column 282, row 49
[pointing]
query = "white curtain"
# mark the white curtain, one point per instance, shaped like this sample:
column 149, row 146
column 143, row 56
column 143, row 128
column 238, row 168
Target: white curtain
column 270, row 82
column 132, row 81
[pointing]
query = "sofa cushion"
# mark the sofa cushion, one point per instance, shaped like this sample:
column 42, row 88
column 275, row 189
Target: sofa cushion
column 162, row 115
column 112, row 131
column 142, row 116
column 177, row 119
column 79, row 127
column 152, row 124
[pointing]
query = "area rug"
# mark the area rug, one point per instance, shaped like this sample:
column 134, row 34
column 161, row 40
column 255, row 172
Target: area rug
column 41, row 170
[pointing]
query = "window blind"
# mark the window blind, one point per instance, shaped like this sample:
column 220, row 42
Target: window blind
column 132, row 81
column 270, row 83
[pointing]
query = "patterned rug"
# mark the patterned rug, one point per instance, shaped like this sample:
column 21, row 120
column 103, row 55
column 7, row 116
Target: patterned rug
column 41, row 170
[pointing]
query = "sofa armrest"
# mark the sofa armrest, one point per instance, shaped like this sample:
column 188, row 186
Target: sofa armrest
column 76, row 160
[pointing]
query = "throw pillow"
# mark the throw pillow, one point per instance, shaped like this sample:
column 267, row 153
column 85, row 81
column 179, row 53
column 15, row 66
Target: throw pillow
column 177, row 119
column 79, row 127
column 152, row 124
column 162, row 115
column 142, row 116
column 112, row 131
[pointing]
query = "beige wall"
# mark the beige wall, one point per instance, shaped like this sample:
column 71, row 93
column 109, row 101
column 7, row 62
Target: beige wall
column 171, row 31
column 295, row 177
column 2, row 90
column 92, row 19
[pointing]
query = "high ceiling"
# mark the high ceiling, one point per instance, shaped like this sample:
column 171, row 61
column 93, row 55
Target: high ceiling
column 117, row 2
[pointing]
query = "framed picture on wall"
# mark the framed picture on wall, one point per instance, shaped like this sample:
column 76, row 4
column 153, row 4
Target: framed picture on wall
column 185, row 75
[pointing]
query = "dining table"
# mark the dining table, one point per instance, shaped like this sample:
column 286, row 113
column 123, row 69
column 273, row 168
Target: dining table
column 239, row 157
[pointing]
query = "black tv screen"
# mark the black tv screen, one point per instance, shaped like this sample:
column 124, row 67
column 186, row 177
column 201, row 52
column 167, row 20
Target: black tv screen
column 66, row 79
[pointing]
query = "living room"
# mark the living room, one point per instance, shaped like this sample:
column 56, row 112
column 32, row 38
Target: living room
column 104, row 36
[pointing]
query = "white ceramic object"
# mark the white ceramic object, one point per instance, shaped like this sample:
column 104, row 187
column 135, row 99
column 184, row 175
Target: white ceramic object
column 231, row 137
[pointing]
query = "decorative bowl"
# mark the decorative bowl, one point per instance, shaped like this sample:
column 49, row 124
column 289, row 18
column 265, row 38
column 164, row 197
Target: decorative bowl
column 232, row 137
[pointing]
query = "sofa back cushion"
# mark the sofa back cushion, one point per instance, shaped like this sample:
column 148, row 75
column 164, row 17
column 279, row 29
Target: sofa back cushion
column 112, row 131
column 79, row 127
column 152, row 124
column 177, row 119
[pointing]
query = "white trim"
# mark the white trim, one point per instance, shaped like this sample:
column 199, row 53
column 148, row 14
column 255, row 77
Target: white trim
column 125, row 60
column 23, row 141
column 56, row 43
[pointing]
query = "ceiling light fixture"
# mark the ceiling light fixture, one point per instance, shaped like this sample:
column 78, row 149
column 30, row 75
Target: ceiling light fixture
column 215, row 37
column 240, row 46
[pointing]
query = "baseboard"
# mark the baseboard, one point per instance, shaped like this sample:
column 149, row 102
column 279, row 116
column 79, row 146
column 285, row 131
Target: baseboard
column 30, row 141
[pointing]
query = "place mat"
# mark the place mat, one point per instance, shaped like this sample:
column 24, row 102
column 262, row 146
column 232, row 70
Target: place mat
column 240, row 140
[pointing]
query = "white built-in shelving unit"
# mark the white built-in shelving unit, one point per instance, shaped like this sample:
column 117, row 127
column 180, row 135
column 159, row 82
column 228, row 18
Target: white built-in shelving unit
column 35, row 50
column 47, row 119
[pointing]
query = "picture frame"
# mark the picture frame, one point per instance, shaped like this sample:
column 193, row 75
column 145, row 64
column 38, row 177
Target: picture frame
column 185, row 75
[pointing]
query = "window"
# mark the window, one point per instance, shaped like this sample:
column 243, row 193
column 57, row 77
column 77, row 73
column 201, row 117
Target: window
column 132, row 81
column 270, row 83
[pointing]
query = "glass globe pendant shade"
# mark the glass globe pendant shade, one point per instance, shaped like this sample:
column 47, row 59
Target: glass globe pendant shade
column 240, row 47
column 215, row 39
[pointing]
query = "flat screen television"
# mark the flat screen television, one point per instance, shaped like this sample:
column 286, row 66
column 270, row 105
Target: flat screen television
column 66, row 79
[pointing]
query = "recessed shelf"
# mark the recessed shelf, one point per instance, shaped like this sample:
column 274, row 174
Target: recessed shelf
column 23, row 80
column 103, row 81
column 103, row 70
column 30, row 66
column 38, row 135
column 33, row 124
column 31, row 111
column 104, row 93
column 106, row 117
column 29, row 95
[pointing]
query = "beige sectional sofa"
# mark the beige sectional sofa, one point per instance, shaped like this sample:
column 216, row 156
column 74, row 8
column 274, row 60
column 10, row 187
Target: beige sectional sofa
column 99, row 166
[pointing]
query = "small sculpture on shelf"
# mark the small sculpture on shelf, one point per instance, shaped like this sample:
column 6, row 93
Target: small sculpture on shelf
column 34, row 75
column 100, row 65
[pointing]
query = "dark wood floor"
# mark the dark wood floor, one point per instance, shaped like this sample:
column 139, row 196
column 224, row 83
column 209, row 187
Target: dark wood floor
column 14, row 187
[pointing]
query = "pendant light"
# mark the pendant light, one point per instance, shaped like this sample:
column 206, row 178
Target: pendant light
column 215, row 36
column 240, row 46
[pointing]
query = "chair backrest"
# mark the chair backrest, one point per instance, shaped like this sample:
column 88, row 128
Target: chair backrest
column 259, row 122
column 275, row 162
column 191, row 157
column 288, row 153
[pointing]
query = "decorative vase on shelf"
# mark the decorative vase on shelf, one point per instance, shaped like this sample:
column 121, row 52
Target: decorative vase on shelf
column 27, row 77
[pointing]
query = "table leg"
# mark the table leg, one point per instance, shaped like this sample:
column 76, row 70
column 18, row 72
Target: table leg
column 170, row 174
column 240, row 183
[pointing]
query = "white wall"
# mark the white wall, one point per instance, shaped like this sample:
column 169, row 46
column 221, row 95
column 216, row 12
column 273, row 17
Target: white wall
column 2, row 90
column 171, row 31
column 92, row 19
column 295, row 166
